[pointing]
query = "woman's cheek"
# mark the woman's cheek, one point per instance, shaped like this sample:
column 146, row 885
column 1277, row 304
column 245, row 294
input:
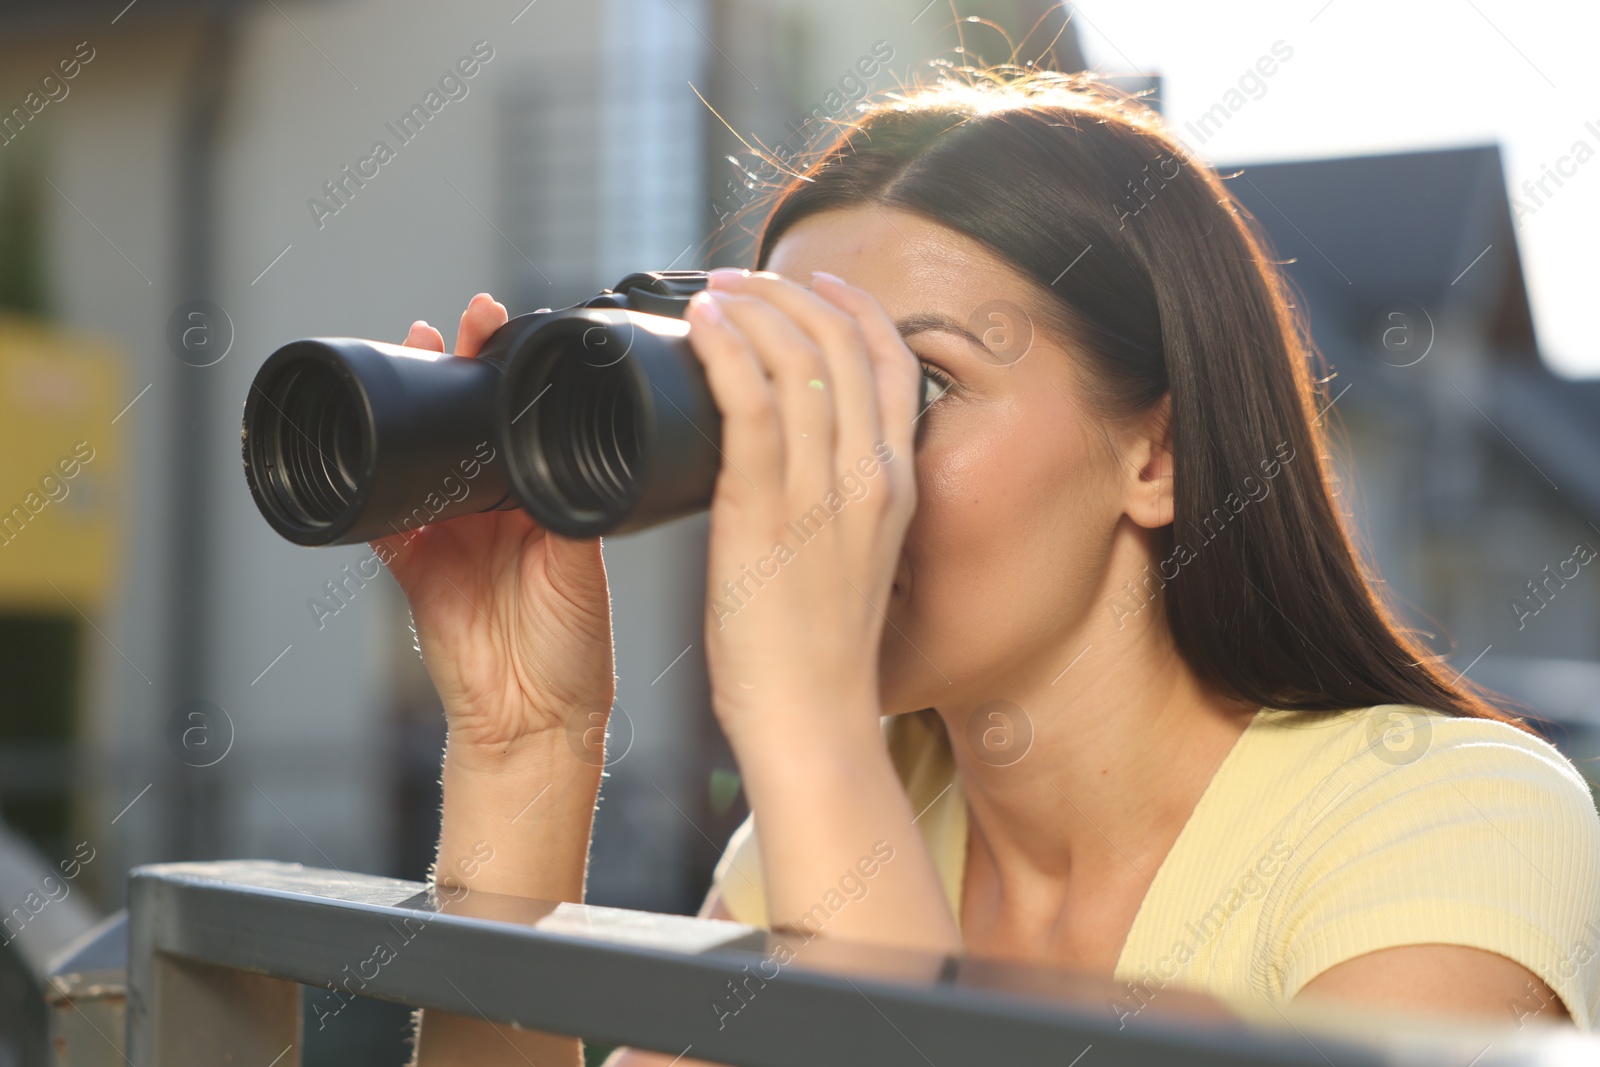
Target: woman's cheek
column 941, row 502
column 950, row 473
column 951, row 533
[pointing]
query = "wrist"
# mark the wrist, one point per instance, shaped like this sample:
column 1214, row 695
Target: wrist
column 516, row 818
column 814, row 722
column 786, row 748
column 533, row 736
column 513, row 756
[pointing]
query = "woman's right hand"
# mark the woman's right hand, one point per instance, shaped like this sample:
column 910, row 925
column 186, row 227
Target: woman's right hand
column 513, row 621
column 514, row 624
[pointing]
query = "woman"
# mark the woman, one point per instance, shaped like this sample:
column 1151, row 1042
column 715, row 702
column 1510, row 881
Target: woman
column 1028, row 593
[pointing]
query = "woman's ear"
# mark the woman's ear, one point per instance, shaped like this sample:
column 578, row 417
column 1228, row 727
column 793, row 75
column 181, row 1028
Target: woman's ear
column 1149, row 498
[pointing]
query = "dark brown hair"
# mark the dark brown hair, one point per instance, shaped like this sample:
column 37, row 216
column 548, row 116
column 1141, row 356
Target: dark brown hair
column 1171, row 290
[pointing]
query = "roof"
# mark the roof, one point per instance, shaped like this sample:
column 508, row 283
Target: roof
column 1426, row 242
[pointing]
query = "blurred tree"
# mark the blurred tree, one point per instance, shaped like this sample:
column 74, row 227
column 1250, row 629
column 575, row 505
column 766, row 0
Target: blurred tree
column 22, row 281
column 39, row 661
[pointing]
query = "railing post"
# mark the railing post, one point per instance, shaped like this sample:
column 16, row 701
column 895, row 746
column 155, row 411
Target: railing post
column 86, row 992
column 182, row 1013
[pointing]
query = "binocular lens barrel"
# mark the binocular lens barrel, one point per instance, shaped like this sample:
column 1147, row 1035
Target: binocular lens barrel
column 309, row 443
column 585, row 447
column 347, row 440
column 608, row 423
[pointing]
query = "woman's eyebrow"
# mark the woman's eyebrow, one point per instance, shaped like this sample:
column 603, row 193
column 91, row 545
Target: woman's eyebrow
column 924, row 321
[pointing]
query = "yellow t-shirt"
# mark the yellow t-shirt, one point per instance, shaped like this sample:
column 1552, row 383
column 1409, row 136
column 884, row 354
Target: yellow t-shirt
column 1324, row 836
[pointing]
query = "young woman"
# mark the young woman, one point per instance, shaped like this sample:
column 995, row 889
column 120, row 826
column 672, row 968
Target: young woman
column 1028, row 593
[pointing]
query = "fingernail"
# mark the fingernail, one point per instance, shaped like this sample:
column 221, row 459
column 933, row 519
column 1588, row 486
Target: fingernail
column 724, row 275
column 703, row 305
column 824, row 274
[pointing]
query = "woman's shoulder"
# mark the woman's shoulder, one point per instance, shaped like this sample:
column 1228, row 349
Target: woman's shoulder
column 1409, row 745
column 1420, row 826
column 1422, row 775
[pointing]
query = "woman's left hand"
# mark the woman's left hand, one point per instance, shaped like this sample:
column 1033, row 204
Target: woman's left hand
column 818, row 395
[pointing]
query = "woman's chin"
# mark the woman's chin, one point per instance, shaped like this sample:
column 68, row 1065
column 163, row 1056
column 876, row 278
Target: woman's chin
column 898, row 688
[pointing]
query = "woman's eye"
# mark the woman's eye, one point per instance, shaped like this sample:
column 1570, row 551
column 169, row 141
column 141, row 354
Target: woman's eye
column 935, row 384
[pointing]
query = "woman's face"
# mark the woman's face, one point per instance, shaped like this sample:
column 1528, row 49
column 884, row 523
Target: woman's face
column 1019, row 492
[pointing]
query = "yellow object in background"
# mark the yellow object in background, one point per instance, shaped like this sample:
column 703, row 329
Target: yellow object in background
column 60, row 466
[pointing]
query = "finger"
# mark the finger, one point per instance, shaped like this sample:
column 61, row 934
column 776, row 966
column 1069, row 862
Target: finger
column 800, row 382
column 838, row 336
column 751, row 445
column 484, row 315
column 896, row 369
column 421, row 335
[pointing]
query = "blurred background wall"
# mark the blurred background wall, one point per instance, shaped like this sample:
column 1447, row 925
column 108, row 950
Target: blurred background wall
column 176, row 682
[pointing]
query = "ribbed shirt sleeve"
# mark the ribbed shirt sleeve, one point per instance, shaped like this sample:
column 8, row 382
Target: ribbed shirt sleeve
column 1486, row 840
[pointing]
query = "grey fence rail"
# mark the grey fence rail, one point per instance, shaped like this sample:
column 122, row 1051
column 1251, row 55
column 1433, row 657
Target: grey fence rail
column 215, row 953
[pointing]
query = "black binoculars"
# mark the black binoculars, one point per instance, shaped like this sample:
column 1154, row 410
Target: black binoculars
column 595, row 418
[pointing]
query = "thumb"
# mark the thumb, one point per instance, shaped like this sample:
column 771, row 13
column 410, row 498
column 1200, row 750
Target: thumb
column 577, row 566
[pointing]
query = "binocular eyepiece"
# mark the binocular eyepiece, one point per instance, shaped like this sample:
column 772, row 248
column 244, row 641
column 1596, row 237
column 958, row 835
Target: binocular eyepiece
column 595, row 418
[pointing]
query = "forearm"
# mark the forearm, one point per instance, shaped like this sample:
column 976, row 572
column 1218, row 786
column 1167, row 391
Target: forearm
column 514, row 822
column 530, row 807
column 840, row 850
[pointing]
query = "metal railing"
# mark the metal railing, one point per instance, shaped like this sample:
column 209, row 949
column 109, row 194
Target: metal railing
column 215, row 954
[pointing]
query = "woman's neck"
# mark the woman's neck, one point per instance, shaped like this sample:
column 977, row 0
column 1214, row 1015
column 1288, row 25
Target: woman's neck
column 1123, row 746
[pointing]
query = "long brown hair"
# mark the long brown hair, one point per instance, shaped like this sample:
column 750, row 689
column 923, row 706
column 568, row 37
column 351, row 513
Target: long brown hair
column 1171, row 290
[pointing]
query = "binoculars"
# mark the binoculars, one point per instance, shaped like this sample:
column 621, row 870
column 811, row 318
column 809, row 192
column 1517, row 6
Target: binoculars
column 595, row 418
